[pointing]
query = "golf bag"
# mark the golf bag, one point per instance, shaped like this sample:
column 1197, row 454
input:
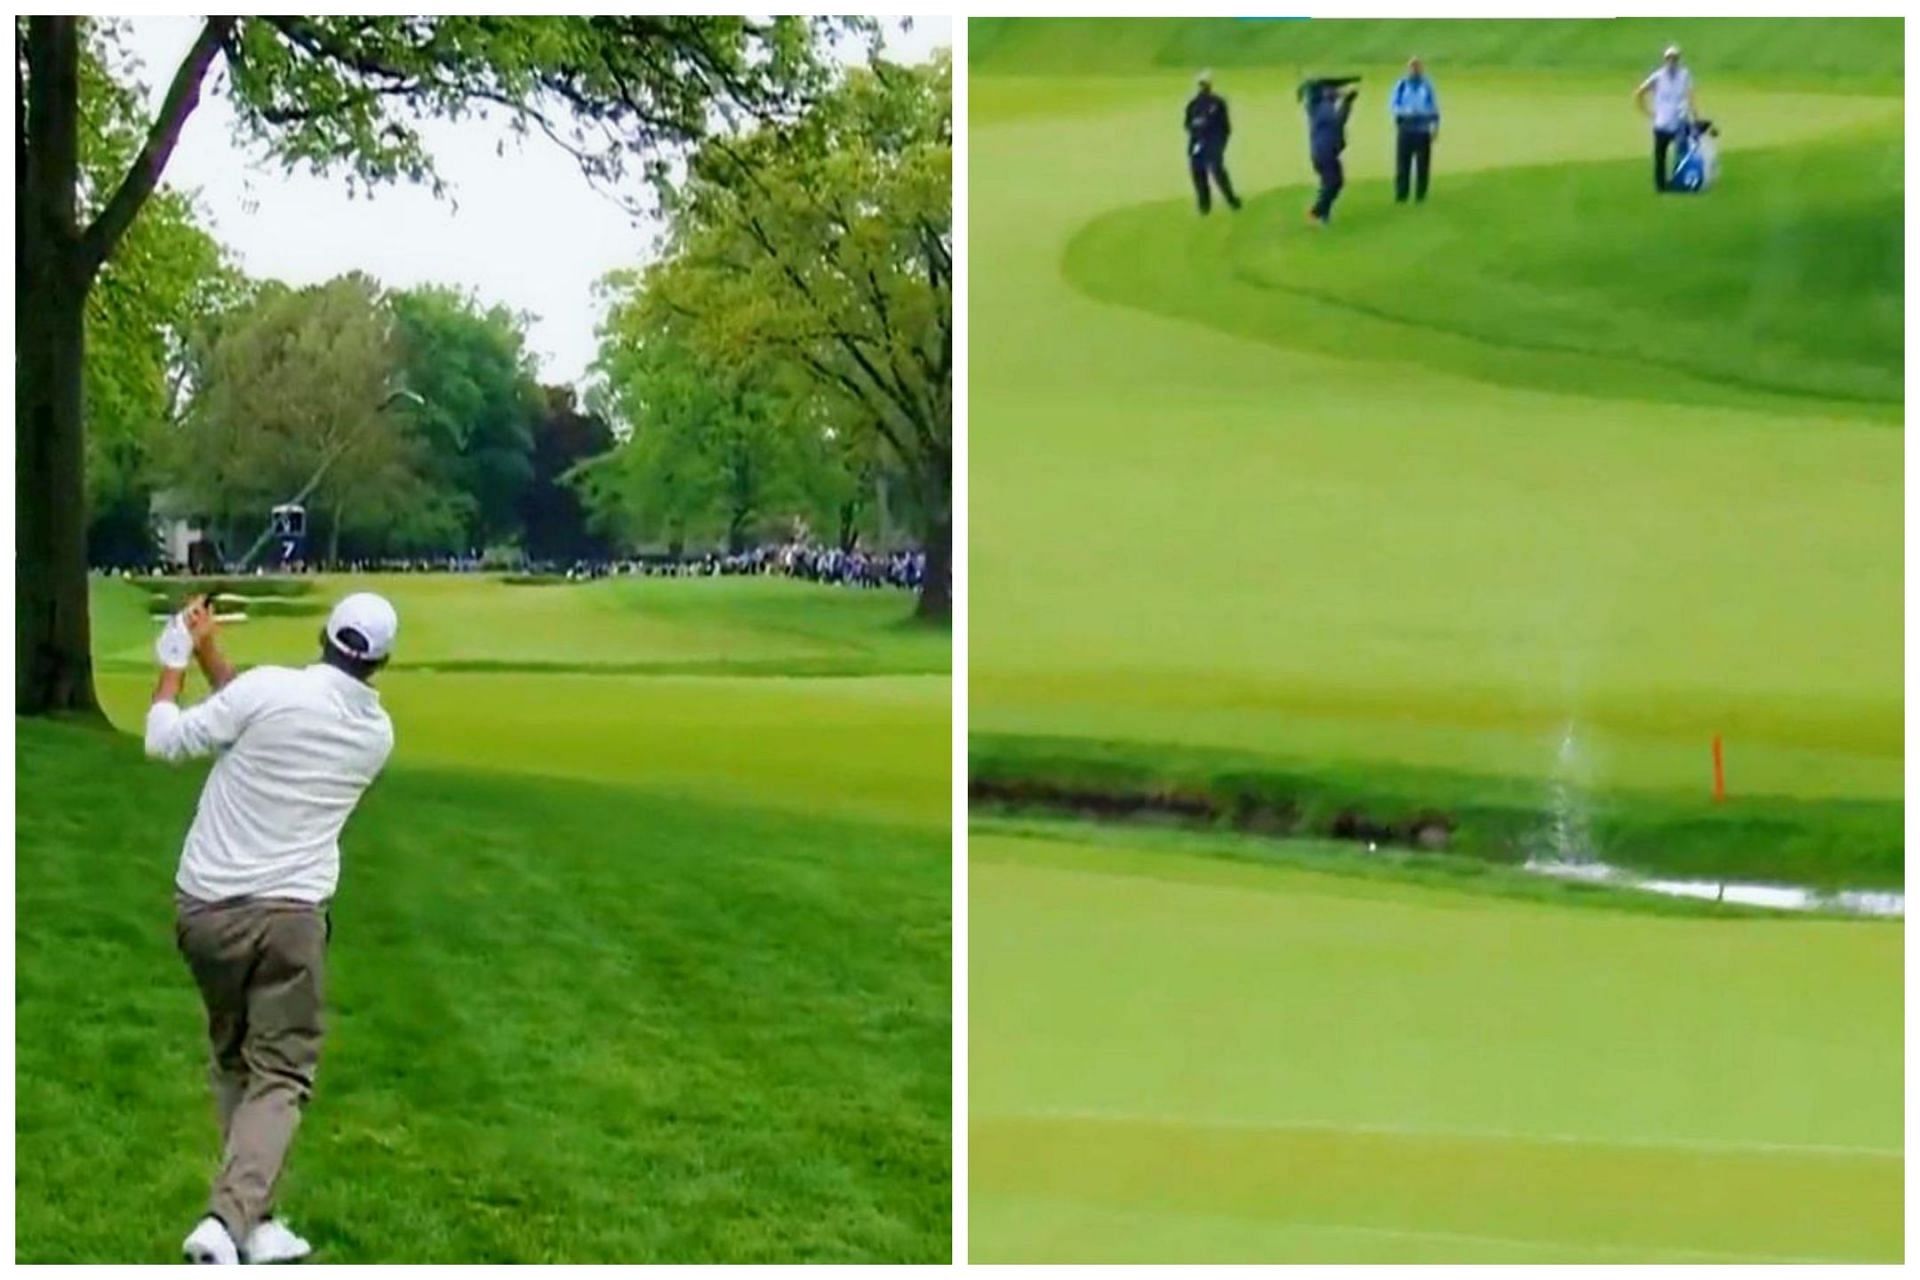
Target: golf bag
column 1697, row 166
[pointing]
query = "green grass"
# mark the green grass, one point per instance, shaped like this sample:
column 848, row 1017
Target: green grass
column 1829, row 844
column 1531, row 491
column 1754, row 299
column 1316, row 526
column 1179, row 1058
column 774, row 692
column 1846, row 54
column 625, row 968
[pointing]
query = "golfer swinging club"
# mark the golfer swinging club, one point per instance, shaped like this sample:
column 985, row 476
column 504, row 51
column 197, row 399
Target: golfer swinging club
column 297, row 748
column 1329, row 103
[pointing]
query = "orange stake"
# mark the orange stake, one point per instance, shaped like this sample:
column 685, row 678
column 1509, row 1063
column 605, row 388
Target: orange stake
column 1719, row 771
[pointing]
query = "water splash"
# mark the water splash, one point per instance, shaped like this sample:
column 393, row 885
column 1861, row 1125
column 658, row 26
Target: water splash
column 1568, row 834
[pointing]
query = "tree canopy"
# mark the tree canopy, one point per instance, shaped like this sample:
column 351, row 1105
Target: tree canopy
column 823, row 247
column 623, row 94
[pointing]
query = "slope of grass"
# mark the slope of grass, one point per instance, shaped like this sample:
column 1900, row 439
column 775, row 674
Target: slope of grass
column 767, row 692
column 1175, row 1058
column 568, row 1023
column 1849, row 54
column 474, row 621
column 1366, row 537
column 1563, row 278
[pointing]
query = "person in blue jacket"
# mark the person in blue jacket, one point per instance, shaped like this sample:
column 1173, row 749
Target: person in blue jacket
column 1329, row 103
column 1416, row 123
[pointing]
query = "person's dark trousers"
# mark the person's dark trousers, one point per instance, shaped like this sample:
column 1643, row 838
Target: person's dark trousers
column 1331, row 180
column 1662, row 140
column 1412, row 164
column 1211, row 166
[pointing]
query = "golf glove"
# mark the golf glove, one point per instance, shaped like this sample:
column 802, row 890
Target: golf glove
column 174, row 648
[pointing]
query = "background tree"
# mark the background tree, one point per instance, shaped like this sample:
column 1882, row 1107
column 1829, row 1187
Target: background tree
column 716, row 451
column 554, row 521
column 479, row 399
column 826, row 244
column 322, row 92
column 295, row 406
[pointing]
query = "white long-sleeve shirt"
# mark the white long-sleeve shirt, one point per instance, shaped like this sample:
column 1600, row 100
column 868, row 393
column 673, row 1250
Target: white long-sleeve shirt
column 298, row 747
column 1672, row 96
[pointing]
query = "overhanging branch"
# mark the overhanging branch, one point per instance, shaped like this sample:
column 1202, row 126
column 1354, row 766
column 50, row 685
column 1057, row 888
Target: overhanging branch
column 183, row 95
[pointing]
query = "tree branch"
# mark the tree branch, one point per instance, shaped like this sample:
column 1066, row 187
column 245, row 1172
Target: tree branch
column 99, row 239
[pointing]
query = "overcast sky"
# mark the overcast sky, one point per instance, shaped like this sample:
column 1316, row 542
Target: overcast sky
column 526, row 230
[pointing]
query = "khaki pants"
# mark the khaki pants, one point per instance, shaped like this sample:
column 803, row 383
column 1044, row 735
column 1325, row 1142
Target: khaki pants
column 259, row 963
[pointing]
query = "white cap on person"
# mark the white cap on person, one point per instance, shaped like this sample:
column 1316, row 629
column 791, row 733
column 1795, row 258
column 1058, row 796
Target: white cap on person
column 372, row 620
column 1673, row 51
column 1205, row 77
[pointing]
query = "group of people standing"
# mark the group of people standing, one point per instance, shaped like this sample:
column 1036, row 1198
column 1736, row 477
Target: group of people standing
column 1414, row 105
column 1666, row 97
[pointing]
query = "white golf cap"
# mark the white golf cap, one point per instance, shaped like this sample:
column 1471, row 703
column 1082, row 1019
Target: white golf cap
column 1205, row 76
column 1673, row 51
column 372, row 618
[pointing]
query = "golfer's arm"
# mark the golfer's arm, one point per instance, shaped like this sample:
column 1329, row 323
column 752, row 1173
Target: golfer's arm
column 214, row 665
column 168, row 688
column 1640, row 99
column 174, row 735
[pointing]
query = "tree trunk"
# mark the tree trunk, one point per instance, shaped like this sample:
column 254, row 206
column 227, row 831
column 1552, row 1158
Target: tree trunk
column 849, row 527
column 53, row 659
column 936, row 506
column 333, row 535
column 936, row 589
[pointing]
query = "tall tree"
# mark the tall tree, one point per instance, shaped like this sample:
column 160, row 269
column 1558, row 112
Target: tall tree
column 323, row 92
column 714, row 449
column 478, row 402
column 554, row 520
column 169, row 276
column 827, row 244
column 296, row 405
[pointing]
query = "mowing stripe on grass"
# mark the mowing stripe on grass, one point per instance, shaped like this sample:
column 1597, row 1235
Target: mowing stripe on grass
column 1644, row 1201
column 1477, row 1135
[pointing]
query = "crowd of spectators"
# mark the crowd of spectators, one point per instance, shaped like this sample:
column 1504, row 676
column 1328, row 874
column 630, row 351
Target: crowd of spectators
column 855, row 568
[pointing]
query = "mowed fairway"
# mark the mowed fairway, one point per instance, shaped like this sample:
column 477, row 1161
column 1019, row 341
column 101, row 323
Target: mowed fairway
column 1435, row 492
column 1178, row 1058
column 641, row 951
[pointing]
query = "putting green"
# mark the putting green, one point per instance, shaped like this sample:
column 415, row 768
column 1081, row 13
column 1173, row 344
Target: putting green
column 1546, row 481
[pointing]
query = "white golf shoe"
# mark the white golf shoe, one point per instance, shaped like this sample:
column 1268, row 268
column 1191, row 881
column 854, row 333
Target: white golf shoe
column 210, row 1244
column 271, row 1241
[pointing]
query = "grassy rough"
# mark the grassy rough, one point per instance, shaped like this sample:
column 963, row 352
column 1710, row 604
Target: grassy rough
column 625, row 969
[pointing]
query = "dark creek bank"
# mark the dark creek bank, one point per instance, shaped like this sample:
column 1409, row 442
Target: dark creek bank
column 1261, row 813
column 1174, row 806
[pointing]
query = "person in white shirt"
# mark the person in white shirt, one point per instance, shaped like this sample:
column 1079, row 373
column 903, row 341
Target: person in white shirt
column 297, row 748
column 1666, row 97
